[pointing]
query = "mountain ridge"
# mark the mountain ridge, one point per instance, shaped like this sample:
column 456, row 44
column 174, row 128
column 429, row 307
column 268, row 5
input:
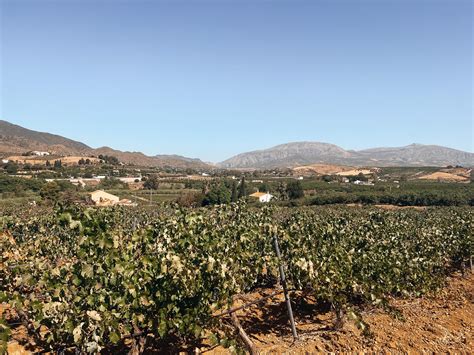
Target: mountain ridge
column 15, row 139
column 19, row 138
column 294, row 154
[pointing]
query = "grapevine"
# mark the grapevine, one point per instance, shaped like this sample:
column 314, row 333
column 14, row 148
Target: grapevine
column 90, row 278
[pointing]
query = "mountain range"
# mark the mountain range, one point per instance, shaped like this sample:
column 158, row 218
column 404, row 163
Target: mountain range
column 15, row 139
column 305, row 153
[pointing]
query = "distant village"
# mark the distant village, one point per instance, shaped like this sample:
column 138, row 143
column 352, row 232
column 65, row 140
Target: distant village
column 105, row 181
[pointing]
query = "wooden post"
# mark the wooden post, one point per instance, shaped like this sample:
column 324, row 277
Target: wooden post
column 243, row 335
column 285, row 289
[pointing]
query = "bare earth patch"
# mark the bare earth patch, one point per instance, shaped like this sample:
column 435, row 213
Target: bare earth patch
column 321, row 169
column 458, row 171
column 440, row 323
column 395, row 207
column 355, row 172
column 444, row 176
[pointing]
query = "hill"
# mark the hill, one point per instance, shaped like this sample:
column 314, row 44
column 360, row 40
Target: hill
column 321, row 169
column 289, row 155
column 417, row 154
column 15, row 140
column 162, row 161
column 308, row 153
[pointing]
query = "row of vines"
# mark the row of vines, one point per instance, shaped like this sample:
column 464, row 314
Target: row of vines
column 89, row 278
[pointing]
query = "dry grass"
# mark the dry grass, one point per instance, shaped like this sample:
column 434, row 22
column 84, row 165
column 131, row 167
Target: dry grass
column 355, row 172
column 444, row 176
column 34, row 160
column 321, row 169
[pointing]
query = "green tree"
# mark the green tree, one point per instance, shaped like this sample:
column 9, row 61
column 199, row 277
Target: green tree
column 217, row 195
column 294, row 190
column 234, row 196
column 282, row 191
column 12, row 168
column 109, row 159
column 58, row 164
column 327, row 178
column 361, row 177
column 242, row 192
column 152, row 183
column 50, row 191
column 264, row 187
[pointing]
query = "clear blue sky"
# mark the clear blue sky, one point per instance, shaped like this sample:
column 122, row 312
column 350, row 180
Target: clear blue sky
column 210, row 79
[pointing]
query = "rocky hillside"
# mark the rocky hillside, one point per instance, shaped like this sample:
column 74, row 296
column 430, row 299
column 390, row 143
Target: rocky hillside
column 289, row 155
column 416, row 154
column 306, row 153
column 15, row 140
column 138, row 158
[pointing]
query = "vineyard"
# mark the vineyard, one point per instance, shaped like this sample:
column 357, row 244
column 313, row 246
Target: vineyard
column 91, row 280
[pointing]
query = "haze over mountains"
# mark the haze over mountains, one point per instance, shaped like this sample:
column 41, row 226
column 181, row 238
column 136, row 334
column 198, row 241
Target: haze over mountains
column 16, row 140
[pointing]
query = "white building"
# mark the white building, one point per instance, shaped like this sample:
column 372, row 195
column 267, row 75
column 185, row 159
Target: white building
column 130, row 180
column 365, row 183
column 39, row 154
column 262, row 196
column 101, row 198
column 5, row 161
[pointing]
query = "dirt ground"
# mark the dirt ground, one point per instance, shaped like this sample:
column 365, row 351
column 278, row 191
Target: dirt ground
column 321, row 169
column 394, row 207
column 390, row 207
column 355, row 172
column 444, row 176
column 439, row 323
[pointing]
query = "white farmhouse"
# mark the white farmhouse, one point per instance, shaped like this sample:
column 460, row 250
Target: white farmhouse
column 102, row 198
column 130, row 180
column 262, row 196
column 39, row 154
